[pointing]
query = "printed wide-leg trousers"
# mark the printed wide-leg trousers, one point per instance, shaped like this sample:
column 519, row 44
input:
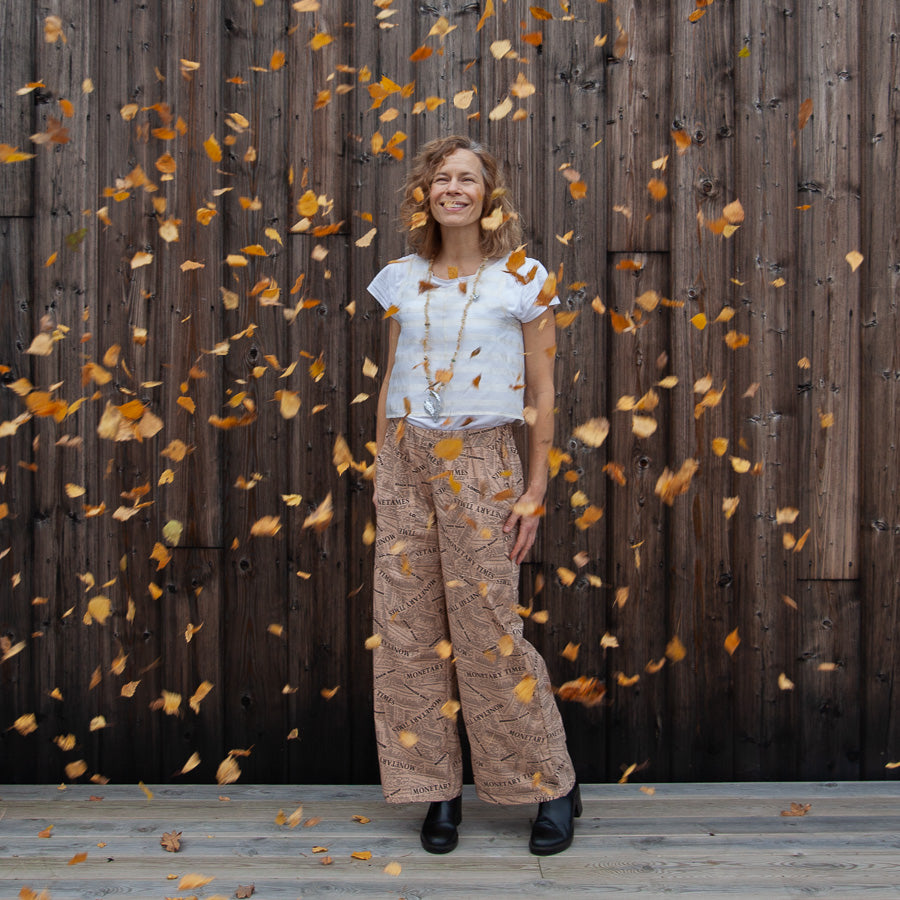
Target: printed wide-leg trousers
column 445, row 602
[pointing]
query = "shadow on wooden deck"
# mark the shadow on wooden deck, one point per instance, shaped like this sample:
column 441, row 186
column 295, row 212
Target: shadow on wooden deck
column 718, row 840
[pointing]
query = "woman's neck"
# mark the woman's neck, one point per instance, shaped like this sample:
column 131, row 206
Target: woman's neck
column 460, row 250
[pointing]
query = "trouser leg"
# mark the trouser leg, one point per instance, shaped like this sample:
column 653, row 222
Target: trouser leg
column 518, row 742
column 418, row 745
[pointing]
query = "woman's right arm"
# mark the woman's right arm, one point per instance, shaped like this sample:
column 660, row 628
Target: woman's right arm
column 381, row 420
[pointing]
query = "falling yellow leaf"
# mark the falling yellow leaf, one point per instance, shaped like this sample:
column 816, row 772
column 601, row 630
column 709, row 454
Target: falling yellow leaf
column 732, row 642
column 524, row 690
column 99, row 608
column 212, row 148
column 854, row 258
column 228, row 772
column 366, row 239
column 448, row 448
column 266, row 526
column 643, row 426
column 25, row 724
column 675, row 650
column 593, row 432
column 320, row 40
column 501, row 110
column 321, row 517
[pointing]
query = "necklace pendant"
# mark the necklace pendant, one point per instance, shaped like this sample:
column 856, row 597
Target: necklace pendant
column 433, row 404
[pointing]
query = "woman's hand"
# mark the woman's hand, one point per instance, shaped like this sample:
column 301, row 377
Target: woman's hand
column 526, row 514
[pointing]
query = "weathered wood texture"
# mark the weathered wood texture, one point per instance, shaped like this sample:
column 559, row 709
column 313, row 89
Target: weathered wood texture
column 190, row 249
column 727, row 840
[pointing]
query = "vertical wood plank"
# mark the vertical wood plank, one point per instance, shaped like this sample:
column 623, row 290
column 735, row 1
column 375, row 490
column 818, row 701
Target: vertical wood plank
column 369, row 195
column 17, row 68
column 829, row 178
column 67, row 543
column 638, row 726
column 124, row 298
column 319, row 613
column 766, row 427
column 256, row 643
column 637, row 101
column 323, row 655
column 830, row 714
column 702, row 591
column 569, row 75
column 879, row 520
column 19, row 620
column 193, row 597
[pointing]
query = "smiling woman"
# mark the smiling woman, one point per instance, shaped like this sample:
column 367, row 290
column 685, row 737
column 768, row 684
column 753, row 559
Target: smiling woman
column 456, row 516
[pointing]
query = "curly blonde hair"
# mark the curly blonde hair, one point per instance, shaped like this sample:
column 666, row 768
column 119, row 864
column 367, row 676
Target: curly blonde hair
column 425, row 239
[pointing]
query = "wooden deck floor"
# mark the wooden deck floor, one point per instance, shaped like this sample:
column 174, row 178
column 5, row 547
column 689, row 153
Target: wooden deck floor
column 716, row 840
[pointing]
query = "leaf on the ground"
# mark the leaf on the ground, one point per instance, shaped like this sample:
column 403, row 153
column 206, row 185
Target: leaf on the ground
column 244, row 890
column 797, row 809
column 171, row 841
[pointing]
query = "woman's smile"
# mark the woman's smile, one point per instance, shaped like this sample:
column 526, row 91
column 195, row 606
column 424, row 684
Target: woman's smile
column 457, row 191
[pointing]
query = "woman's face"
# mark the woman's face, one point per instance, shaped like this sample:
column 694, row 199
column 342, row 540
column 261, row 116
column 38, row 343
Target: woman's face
column 457, row 191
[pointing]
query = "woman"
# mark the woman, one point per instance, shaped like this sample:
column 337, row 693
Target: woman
column 468, row 337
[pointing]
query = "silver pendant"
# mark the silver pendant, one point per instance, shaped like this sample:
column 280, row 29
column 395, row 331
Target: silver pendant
column 433, row 404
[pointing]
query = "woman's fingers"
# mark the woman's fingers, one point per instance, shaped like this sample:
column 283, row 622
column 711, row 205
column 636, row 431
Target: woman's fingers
column 524, row 539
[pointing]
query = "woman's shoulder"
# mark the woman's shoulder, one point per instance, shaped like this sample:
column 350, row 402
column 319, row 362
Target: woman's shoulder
column 523, row 269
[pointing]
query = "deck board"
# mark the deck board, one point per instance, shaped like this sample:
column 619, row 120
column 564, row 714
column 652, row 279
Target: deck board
column 717, row 840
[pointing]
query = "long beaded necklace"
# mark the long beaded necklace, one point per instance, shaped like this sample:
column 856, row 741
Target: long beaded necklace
column 434, row 403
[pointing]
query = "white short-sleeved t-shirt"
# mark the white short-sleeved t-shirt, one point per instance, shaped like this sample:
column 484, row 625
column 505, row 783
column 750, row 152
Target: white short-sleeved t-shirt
column 489, row 374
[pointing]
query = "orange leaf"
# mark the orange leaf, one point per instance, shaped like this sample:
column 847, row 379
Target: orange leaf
column 806, row 108
column 488, row 12
column 320, row 40
column 421, row 53
column 448, row 449
column 682, row 140
column 540, row 13
column 657, row 188
column 732, row 642
column 277, row 60
column 212, row 148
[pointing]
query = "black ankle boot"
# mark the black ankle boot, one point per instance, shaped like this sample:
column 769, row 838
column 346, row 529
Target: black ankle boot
column 554, row 826
column 439, row 828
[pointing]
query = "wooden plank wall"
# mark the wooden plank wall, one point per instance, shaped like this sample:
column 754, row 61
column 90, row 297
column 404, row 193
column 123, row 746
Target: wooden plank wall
column 722, row 307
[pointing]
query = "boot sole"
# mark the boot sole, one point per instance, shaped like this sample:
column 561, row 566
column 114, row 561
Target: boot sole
column 444, row 848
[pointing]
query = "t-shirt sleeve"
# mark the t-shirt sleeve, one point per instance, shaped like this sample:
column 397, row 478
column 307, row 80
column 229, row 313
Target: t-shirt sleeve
column 525, row 309
column 383, row 287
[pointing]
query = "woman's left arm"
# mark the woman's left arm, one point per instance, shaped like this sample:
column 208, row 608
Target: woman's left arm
column 540, row 350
